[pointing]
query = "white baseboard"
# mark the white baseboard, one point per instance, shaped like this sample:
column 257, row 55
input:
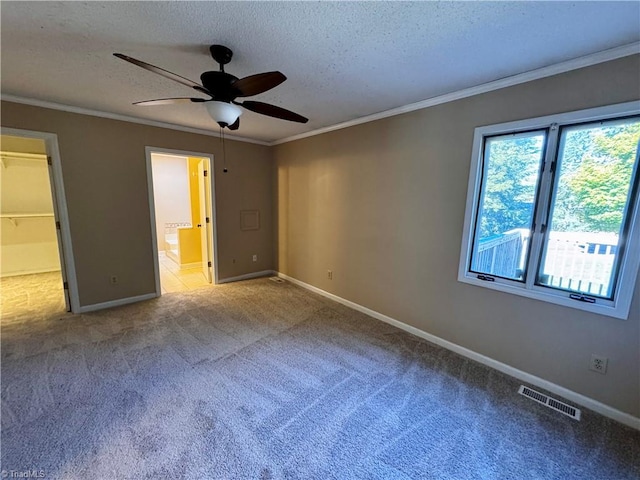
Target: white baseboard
column 601, row 408
column 247, row 276
column 116, row 303
column 149, row 296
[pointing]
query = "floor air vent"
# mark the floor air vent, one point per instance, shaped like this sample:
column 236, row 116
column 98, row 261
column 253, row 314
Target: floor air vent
column 276, row 279
column 552, row 403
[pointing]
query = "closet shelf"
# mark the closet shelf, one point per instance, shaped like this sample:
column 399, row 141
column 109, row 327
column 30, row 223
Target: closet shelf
column 10, row 156
column 12, row 217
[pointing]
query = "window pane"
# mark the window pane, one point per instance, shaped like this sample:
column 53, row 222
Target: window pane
column 595, row 170
column 511, row 172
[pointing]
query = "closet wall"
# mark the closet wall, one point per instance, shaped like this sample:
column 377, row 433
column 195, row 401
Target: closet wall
column 28, row 239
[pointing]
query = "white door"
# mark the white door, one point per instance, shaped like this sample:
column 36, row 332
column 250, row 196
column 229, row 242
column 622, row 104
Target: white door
column 56, row 217
column 204, row 192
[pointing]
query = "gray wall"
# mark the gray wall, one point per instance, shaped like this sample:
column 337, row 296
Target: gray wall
column 105, row 179
column 382, row 205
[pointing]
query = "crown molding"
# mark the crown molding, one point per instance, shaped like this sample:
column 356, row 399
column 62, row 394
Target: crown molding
column 124, row 118
column 563, row 67
column 574, row 64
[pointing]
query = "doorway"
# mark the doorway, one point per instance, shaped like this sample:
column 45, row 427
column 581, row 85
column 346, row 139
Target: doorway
column 181, row 196
column 36, row 267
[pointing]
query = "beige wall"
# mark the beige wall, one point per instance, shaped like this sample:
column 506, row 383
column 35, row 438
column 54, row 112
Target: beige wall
column 105, row 179
column 382, row 206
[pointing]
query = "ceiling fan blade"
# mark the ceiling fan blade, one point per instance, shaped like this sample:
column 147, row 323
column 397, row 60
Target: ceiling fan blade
column 235, row 125
column 273, row 111
column 169, row 101
column 163, row 72
column 255, row 84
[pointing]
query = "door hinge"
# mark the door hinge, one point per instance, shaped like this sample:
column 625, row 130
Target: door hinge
column 65, row 285
column 207, row 219
column 205, row 173
column 49, row 161
column 209, row 264
column 58, row 225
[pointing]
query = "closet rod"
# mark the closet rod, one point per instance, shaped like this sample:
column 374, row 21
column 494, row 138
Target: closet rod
column 23, row 156
column 25, row 215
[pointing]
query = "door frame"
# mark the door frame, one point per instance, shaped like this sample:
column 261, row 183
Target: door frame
column 59, row 199
column 213, row 238
column 204, row 195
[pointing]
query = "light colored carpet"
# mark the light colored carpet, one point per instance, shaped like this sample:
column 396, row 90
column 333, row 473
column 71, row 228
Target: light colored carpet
column 31, row 297
column 260, row 380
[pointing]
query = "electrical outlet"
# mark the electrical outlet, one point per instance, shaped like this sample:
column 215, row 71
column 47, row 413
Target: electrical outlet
column 255, row 258
column 599, row 364
column 329, row 274
column 113, row 279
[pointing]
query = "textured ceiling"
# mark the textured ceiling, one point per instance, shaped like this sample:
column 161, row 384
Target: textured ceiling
column 343, row 60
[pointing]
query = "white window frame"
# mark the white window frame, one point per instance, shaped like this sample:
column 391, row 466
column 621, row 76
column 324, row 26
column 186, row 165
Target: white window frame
column 630, row 260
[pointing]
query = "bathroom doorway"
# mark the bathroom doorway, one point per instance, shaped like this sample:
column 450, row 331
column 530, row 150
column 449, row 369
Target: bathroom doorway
column 181, row 195
column 36, row 267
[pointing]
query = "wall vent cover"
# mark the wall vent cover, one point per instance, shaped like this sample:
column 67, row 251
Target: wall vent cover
column 276, row 279
column 552, row 403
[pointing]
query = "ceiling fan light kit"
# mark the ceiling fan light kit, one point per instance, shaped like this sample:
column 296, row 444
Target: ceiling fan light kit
column 224, row 114
column 223, row 89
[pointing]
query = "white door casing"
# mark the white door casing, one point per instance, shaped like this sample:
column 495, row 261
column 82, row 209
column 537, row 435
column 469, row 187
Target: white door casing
column 61, row 215
column 204, row 218
column 209, row 203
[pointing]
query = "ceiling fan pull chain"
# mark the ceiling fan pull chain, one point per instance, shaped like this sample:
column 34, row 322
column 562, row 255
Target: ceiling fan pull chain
column 224, row 152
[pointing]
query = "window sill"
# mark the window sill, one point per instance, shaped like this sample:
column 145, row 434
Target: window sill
column 551, row 296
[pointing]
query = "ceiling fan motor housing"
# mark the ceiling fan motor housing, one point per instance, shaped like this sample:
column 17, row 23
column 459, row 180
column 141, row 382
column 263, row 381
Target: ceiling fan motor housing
column 219, row 84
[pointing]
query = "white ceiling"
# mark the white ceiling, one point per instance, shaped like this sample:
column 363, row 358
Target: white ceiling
column 343, row 60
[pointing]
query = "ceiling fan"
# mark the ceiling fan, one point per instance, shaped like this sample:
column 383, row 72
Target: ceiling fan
column 224, row 88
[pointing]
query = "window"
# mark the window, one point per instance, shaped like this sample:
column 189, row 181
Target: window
column 553, row 209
